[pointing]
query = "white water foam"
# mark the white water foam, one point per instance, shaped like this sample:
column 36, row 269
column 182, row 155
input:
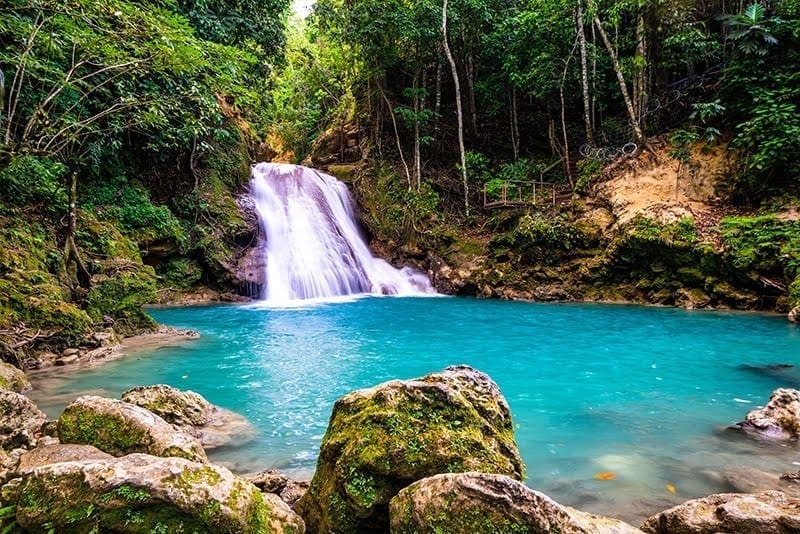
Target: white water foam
column 314, row 249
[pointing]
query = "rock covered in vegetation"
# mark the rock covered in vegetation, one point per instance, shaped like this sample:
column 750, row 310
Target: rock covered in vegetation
column 466, row 503
column 380, row 440
column 794, row 315
column 778, row 420
column 139, row 493
column 771, row 512
column 20, row 420
column 12, row 378
column 192, row 413
column 120, row 428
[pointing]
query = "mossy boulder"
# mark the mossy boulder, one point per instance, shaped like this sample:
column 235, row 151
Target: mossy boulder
column 120, row 428
column 20, row 420
column 770, row 512
column 380, row 440
column 142, row 494
column 467, row 503
column 190, row 412
column 12, row 378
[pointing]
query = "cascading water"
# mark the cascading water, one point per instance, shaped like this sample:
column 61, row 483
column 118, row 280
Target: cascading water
column 313, row 247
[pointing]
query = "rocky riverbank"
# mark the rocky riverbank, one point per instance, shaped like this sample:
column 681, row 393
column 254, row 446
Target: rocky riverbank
column 434, row 454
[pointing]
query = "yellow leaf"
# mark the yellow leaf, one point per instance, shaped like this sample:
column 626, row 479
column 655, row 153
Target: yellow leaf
column 606, row 475
column 670, row 488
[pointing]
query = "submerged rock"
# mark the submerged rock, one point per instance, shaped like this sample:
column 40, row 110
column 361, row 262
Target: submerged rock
column 190, row 412
column 380, row 440
column 467, row 503
column 771, row 512
column 20, row 420
column 141, row 494
column 120, row 428
column 778, row 420
column 12, row 378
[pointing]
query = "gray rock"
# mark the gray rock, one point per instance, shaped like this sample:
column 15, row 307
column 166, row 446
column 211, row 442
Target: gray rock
column 468, row 503
column 67, row 360
column 294, row 491
column 380, row 440
column 190, row 412
column 12, row 378
column 20, row 420
column 794, row 315
column 56, row 454
column 120, row 428
column 771, row 512
column 268, row 481
column 70, row 352
column 139, row 493
column 778, row 420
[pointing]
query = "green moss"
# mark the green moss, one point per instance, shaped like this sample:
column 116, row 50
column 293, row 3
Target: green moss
column 121, row 293
column 794, row 292
column 107, row 432
column 763, row 242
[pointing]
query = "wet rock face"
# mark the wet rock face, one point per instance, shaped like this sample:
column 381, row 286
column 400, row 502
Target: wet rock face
column 20, row 420
column 467, row 503
column 778, row 420
column 120, row 428
column 380, row 440
column 12, row 378
column 771, row 512
column 141, row 494
column 191, row 413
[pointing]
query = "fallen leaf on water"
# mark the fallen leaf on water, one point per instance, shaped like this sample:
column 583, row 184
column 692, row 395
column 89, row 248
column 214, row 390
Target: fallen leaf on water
column 185, row 377
column 670, row 488
column 606, row 475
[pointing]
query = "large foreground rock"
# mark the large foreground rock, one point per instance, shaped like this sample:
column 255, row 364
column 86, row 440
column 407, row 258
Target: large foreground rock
column 12, row 378
column 120, row 428
column 20, row 420
column 771, row 512
column 142, row 494
column 190, row 412
column 778, row 420
column 380, row 440
column 467, row 503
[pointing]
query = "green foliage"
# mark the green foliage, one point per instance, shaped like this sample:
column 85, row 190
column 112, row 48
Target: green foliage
column 588, row 171
column 27, row 180
column 763, row 242
column 537, row 231
column 180, row 273
column 679, row 233
column 129, row 204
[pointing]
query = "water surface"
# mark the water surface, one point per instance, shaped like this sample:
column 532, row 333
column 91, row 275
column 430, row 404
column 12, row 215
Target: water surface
column 641, row 392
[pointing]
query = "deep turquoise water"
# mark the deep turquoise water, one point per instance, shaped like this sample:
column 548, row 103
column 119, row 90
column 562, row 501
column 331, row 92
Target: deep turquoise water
column 642, row 392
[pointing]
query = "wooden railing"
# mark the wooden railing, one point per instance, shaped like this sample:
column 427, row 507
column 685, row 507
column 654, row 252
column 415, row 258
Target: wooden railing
column 514, row 194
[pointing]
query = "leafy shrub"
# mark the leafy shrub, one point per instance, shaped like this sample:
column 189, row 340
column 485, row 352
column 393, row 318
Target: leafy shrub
column 129, row 204
column 680, row 233
column 30, row 180
column 763, row 242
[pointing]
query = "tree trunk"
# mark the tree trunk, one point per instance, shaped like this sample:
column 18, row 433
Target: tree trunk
column 640, row 78
column 71, row 255
column 469, row 66
column 514, row 124
column 396, row 135
column 587, row 112
column 459, row 111
column 567, row 162
column 417, row 156
column 438, row 104
column 637, row 130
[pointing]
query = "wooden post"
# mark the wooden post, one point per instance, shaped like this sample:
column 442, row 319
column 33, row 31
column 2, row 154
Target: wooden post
column 484, row 195
column 534, row 193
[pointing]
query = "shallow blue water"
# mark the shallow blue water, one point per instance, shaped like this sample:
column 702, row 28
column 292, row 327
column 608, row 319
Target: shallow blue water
column 641, row 392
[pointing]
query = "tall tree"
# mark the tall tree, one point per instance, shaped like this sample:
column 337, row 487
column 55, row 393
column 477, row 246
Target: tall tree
column 459, row 113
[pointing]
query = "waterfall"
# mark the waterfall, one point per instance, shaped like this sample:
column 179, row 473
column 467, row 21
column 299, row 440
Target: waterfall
column 312, row 245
